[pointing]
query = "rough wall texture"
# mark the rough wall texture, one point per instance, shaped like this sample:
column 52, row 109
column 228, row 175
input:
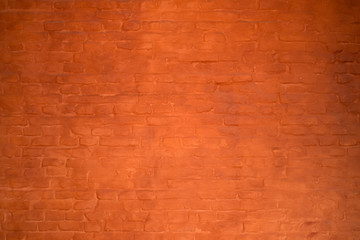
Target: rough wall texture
column 180, row 120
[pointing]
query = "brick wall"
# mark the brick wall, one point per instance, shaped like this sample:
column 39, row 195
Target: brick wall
column 179, row 119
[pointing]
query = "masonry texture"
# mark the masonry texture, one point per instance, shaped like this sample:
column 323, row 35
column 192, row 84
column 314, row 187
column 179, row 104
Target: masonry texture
column 179, row 119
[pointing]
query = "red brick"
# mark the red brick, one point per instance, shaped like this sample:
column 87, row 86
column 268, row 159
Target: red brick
column 50, row 235
column 34, row 172
column 89, row 141
column 53, row 204
column 44, row 141
column 54, row 215
column 73, row 67
column 17, row 4
column 110, row 205
column 20, row 226
column 84, row 205
column 14, row 205
column 116, row 235
column 48, row 226
column 354, row 152
column 71, row 226
column 131, row 25
column 118, row 141
column 54, row 26
column 101, row 131
column 106, row 194
column 53, row 162
column 349, row 140
column 92, row 227
column 20, row 141
column 75, row 216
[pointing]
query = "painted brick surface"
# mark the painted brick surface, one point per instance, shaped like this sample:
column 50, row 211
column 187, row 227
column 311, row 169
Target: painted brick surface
column 179, row 120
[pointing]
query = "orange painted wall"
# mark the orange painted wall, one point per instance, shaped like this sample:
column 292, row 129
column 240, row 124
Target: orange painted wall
column 179, row 120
